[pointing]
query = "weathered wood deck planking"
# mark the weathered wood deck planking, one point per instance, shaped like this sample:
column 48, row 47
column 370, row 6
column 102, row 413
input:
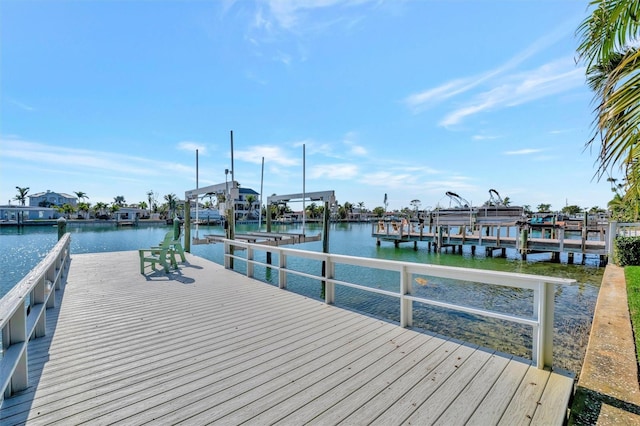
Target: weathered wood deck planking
column 207, row 345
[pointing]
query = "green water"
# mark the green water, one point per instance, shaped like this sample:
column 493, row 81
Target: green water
column 21, row 249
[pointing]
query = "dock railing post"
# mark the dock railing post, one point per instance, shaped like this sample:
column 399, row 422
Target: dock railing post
column 62, row 227
column 543, row 340
column 249, row 261
column 226, row 254
column 406, row 305
column 613, row 231
column 282, row 272
column 16, row 333
column 330, row 287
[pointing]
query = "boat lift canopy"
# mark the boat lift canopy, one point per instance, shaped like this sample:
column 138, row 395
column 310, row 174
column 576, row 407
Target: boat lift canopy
column 326, row 196
column 220, row 188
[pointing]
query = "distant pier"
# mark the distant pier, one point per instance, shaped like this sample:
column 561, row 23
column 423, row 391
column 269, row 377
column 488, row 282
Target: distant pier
column 499, row 232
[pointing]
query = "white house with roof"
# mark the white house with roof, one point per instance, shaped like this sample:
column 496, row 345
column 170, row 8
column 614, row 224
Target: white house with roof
column 243, row 208
column 50, row 198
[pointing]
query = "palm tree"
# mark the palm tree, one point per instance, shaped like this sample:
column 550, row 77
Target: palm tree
column 114, row 207
column 609, row 49
column 348, row 210
column 22, row 195
column 619, row 209
column 142, row 205
column 312, row 211
column 250, row 200
column 361, row 209
column 416, row 205
column 66, row 209
column 153, row 202
column 119, row 201
column 81, row 195
column 378, row 211
column 100, row 208
column 171, row 200
column 84, row 208
column 544, row 207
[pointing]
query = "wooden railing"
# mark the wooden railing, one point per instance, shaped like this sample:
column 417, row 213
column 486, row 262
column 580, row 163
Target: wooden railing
column 23, row 314
column 541, row 320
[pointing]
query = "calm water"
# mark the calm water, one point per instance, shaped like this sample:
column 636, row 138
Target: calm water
column 22, row 249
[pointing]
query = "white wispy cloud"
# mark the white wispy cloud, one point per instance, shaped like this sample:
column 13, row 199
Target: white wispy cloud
column 192, row 146
column 524, row 151
column 272, row 154
column 34, row 153
column 21, row 105
column 418, row 101
column 390, row 179
column 549, row 79
column 546, row 80
column 292, row 14
column 313, row 147
column 351, row 141
column 344, row 171
column 483, row 137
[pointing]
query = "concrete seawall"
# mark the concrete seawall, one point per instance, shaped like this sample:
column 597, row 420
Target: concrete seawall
column 607, row 392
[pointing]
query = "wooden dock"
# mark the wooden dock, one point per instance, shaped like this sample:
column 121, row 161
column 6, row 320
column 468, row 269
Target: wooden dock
column 263, row 238
column 207, row 345
column 551, row 239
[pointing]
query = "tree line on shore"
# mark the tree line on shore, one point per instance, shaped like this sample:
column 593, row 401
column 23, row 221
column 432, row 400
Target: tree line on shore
column 173, row 206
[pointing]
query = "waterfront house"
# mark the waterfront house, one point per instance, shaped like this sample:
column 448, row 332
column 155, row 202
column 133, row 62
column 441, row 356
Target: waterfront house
column 50, row 198
column 244, row 209
column 13, row 213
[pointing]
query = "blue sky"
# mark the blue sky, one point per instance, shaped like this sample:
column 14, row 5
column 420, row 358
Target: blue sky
column 408, row 98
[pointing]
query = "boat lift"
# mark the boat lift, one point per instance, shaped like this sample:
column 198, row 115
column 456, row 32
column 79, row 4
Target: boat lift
column 328, row 197
column 461, row 202
column 495, row 198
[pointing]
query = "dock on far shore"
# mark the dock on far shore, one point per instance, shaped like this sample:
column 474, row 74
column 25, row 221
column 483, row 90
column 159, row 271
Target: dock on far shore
column 263, row 238
column 204, row 344
column 499, row 234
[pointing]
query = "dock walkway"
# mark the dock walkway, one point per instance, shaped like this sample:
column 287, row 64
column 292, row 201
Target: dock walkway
column 444, row 237
column 208, row 345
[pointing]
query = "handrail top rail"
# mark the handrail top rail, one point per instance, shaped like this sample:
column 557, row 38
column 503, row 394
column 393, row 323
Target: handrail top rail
column 14, row 298
column 479, row 275
column 628, row 224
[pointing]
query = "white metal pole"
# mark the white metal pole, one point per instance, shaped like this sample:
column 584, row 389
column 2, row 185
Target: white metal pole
column 233, row 183
column 260, row 203
column 304, row 196
column 197, row 196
